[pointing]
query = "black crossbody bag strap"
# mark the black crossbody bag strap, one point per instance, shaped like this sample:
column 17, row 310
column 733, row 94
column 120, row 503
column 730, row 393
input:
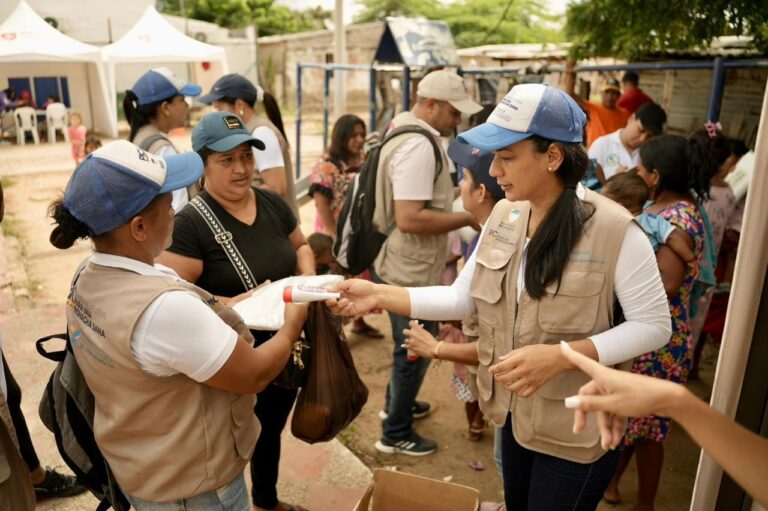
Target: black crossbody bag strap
column 224, row 238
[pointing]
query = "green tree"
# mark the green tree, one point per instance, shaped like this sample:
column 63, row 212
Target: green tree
column 270, row 18
column 374, row 10
column 477, row 22
column 631, row 28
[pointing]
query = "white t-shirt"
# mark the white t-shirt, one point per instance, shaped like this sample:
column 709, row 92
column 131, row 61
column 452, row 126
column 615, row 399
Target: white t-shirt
column 272, row 155
column 178, row 332
column 611, row 154
column 412, row 168
column 637, row 286
column 180, row 196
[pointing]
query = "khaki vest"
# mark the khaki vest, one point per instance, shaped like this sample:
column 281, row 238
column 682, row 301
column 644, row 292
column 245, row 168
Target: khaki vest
column 16, row 491
column 409, row 259
column 165, row 438
column 583, row 306
column 149, row 130
column 290, row 186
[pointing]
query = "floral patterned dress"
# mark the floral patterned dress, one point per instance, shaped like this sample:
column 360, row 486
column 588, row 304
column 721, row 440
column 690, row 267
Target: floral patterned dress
column 673, row 361
column 330, row 180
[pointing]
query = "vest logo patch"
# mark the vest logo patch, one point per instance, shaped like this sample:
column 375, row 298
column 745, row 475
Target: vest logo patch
column 513, row 215
column 583, row 256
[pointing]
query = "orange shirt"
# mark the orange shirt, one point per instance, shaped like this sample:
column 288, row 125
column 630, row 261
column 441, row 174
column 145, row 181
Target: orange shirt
column 603, row 120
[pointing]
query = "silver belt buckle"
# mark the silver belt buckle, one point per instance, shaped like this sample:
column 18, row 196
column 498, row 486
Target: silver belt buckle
column 223, row 237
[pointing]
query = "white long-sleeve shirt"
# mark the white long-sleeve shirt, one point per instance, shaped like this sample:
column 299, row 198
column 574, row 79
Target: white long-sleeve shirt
column 637, row 286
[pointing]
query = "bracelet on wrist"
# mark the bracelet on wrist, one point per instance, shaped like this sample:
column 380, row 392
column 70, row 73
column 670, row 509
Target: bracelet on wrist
column 436, row 351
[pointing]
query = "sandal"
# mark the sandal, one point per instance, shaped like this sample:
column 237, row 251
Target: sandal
column 473, row 434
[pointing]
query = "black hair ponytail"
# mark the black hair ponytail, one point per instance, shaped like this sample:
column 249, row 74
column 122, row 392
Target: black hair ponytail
column 685, row 166
column 550, row 247
column 272, row 110
column 138, row 115
column 68, row 229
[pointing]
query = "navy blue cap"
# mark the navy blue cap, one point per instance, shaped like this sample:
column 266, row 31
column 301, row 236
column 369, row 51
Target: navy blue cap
column 529, row 109
column 160, row 84
column 115, row 182
column 222, row 132
column 478, row 163
column 233, row 86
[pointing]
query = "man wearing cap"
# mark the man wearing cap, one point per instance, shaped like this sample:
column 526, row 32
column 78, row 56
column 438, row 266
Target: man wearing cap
column 413, row 205
column 236, row 94
column 605, row 117
column 619, row 151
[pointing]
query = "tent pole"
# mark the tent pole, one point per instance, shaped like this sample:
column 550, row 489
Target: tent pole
column 92, row 116
column 298, row 120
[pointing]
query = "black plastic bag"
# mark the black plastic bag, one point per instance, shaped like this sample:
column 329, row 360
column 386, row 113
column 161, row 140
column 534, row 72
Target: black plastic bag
column 333, row 394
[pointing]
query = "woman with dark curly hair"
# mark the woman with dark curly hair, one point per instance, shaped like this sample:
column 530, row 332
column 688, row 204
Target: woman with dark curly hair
column 678, row 172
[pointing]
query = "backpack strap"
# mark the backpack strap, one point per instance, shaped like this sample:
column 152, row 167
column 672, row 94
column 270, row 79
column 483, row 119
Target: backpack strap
column 224, row 238
column 151, row 140
column 410, row 128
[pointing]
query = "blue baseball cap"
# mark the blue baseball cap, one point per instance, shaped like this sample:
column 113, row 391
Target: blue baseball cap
column 233, row 86
column 160, row 84
column 478, row 163
column 222, row 132
column 115, row 182
column 529, row 109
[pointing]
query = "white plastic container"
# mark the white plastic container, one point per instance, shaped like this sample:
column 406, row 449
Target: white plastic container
column 303, row 294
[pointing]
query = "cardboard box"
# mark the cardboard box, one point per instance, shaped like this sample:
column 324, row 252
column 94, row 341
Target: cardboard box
column 398, row 491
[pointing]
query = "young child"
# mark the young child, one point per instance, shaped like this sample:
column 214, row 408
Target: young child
column 92, row 142
column 77, row 132
column 322, row 247
column 629, row 190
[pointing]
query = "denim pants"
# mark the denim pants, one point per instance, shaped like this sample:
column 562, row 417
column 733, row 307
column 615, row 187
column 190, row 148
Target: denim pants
column 539, row 482
column 230, row 497
column 404, row 382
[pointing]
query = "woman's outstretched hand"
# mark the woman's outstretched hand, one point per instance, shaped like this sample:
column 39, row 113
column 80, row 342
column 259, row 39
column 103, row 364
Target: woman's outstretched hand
column 616, row 395
column 357, row 297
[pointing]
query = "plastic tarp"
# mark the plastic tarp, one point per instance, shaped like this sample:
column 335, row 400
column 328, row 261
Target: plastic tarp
column 29, row 46
column 417, row 43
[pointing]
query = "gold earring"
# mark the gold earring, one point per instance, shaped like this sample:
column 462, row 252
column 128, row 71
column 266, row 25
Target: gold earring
column 241, row 113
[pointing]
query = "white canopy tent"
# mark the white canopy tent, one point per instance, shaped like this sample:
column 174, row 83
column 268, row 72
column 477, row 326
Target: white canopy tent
column 155, row 41
column 30, row 47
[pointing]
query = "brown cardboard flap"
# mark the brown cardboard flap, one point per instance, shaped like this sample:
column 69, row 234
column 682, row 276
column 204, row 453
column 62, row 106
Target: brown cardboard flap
column 398, row 491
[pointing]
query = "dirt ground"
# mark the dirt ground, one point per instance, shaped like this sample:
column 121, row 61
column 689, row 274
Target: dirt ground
column 33, row 176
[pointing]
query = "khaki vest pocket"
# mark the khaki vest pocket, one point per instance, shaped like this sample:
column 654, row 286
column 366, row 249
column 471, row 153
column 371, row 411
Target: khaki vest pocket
column 244, row 431
column 485, row 350
column 573, row 310
column 552, row 422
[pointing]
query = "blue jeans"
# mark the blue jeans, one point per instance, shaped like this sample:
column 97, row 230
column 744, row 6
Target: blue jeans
column 404, row 382
column 539, row 482
column 230, row 497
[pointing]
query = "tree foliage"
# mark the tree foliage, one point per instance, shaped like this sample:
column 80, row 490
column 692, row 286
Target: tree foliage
column 475, row 22
column 270, row 18
column 632, row 28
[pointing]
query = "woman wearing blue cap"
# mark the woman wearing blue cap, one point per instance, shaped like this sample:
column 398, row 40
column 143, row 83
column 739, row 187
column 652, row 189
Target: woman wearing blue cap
column 172, row 369
column 258, row 239
column 552, row 261
column 153, row 107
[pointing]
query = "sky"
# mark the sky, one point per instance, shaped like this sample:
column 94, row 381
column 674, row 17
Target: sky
column 351, row 8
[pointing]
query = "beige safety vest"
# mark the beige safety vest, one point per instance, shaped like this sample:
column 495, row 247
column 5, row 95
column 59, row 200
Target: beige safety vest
column 409, row 259
column 583, row 306
column 165, row 438
column 290, row 185
column 15, row 486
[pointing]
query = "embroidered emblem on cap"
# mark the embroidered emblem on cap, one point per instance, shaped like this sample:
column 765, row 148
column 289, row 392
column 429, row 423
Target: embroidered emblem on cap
column 233, row 122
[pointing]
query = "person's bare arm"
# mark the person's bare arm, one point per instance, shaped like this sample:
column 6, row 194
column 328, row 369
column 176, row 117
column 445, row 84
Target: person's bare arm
column 249, row 370
column 671, row 268
column 274, row 179
column 600, row 173
column 615, row 395
column 188, row 268
column 323, row 206
column 411, row 216
column 305, row 259
column 681, row 243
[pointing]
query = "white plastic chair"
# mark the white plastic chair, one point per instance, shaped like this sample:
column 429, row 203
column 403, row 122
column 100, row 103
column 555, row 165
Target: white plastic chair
column 26, row 120
column 56, row 119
